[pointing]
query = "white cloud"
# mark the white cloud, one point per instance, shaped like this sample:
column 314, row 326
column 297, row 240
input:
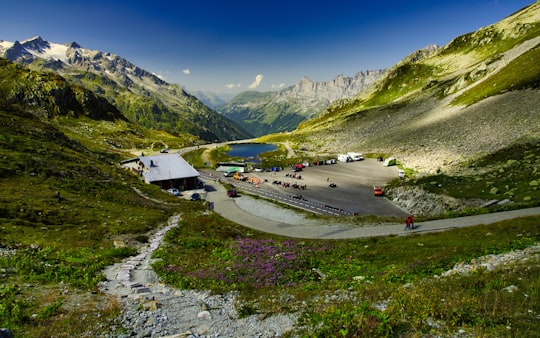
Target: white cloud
column 233, row 85
column 281, row 85
column 186, row 71
column 257, row 82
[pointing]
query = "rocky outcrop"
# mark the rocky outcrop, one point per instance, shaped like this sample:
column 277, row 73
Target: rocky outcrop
column 422, row 203
column 338, row 88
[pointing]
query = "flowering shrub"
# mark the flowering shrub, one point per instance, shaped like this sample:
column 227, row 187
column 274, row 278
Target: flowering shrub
column 261, row 263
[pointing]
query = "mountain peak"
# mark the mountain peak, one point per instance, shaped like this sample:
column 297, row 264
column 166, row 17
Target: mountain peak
column 36, row 43
column 36, row 38
column 73, row 45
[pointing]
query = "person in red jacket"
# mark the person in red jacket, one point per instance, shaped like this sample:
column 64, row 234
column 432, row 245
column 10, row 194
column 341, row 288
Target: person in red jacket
column 409, row 223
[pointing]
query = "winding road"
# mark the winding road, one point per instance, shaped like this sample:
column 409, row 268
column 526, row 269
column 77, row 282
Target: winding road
column 228, row 208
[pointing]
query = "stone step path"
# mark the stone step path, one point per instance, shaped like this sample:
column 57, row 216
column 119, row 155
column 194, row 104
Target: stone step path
column 125, row 274
column 152, row 309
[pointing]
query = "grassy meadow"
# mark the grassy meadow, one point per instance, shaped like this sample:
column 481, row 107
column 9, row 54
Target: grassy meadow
column 363, row 287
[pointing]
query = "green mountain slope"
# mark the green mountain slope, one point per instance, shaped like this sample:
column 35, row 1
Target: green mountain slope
column 168, row 108
column 141, row 96
column 441, row 106
column 262, row 113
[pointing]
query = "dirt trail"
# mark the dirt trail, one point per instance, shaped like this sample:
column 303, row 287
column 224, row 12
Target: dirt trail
column 290, row 150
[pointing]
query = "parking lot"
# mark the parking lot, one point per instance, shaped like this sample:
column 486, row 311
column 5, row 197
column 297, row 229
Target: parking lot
column 353, row 191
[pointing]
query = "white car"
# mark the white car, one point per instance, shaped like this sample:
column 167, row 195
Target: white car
column 401, row 173
column 174, row 191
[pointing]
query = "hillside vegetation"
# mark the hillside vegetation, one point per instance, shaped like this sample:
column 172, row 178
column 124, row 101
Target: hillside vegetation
column 67, row 210
column 64, row 201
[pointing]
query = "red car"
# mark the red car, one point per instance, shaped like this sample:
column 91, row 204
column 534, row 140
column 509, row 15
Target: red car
column 232, row 193
column 377, row 190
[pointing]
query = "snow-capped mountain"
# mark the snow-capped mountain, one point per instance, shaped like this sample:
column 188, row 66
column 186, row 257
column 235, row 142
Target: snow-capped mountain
column 71, row 55
column 140, row 95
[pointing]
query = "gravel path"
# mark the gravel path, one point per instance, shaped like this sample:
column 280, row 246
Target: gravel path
column 154, row 310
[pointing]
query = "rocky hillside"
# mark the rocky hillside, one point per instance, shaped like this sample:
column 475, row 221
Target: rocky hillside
column 440, row 107
column 270, row 112
column 141, row 96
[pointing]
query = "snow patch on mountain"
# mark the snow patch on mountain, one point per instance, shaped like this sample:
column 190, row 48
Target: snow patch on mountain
column 46, row 50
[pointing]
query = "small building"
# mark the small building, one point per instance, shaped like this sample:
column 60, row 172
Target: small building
column 165, row 170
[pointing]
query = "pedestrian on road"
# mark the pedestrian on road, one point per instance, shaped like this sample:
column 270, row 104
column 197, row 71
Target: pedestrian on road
column 409, row 224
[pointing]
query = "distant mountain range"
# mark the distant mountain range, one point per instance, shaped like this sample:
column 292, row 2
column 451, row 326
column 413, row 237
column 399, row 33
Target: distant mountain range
column 270, row 112
column 141, row 96
column 212, row 100
column 151, row 102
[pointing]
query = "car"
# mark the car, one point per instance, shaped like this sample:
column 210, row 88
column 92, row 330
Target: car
column 401, row 173
column 174, row 191
column 377, row 190
column 229, row 173
column 195, row 196
column 164, row 150
column 232, row 193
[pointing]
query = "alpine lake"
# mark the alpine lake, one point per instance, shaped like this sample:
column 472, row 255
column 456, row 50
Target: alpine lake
column 250, row 151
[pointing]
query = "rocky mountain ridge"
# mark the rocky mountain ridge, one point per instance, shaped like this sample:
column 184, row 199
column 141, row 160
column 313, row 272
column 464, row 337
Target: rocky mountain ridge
column 340, row 87
column 440, row 107
column 142, row 97
column 283, row 110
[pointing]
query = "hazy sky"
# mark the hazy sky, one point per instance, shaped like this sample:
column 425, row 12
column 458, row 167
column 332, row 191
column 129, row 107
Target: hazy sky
column 229, row 46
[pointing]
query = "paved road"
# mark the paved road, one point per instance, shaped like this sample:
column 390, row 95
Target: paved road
column 228, row 208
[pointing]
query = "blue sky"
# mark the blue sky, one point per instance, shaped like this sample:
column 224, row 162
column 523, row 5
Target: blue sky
column 229, row 46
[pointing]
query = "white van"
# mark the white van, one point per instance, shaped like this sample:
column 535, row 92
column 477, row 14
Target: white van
column 356, row 156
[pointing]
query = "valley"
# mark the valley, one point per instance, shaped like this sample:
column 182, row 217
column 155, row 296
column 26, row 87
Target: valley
column 462, row 120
